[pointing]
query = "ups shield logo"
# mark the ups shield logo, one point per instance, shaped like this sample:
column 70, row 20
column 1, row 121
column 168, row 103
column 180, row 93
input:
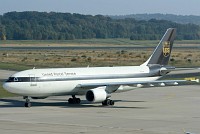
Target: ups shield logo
column 166, row 48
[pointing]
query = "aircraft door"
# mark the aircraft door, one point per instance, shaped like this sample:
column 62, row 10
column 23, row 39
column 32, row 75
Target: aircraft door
column 33, row 81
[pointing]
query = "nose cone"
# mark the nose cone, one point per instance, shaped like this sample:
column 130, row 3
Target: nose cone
column 6, row 86
column 9, row 87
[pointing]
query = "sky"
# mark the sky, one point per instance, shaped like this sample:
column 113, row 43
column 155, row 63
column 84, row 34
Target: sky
column 104, row 7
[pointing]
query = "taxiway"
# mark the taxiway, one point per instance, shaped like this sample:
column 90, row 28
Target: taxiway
column 167, row 110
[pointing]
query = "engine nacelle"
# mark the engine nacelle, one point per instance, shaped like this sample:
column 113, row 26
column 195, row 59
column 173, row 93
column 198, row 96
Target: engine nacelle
column 96, row 95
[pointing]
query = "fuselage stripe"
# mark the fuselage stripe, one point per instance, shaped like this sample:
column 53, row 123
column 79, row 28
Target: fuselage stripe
column 47, row 79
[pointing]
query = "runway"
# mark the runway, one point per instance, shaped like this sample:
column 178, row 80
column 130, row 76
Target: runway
column 164, row 110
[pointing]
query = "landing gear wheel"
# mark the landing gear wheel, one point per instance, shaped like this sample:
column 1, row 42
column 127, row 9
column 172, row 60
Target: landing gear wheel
column 112, row 102
column 108, row 102
column 27, row 103
column 104, row 103
column 78, row 100
column 74, row 100
column 70, row 101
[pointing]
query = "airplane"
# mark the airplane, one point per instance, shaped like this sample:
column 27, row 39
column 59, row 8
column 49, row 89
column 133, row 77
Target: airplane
column 96, row 83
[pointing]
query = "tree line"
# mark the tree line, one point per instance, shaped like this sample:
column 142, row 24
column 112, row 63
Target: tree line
column 32, row 25
column 182, row 19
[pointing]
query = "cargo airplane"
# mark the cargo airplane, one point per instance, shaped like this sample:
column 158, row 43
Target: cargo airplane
column 96, row 83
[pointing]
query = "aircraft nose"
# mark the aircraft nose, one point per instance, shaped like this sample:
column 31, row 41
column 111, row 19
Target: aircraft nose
column 9, row 87
column 5, row 85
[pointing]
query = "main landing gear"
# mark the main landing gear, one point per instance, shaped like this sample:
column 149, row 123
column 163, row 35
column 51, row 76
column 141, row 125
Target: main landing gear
column 27, row 103
column 74, row 100
column 108, row 102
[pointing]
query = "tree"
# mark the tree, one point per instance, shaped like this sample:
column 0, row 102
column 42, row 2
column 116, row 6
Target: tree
column 3, row 37
column 33, row 25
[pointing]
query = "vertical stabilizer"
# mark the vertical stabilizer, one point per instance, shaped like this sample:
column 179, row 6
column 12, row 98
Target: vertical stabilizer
column 162, row 52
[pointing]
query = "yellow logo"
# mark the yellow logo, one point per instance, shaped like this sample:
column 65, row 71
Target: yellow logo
column 166, row 48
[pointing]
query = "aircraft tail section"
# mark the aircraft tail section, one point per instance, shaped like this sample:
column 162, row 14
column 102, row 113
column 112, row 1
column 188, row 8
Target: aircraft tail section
column 162, row 52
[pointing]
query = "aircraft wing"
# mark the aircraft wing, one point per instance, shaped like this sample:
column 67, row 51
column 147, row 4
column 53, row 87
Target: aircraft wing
column 157, row 83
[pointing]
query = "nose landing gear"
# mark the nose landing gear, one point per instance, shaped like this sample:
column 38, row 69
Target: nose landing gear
column 27, row 103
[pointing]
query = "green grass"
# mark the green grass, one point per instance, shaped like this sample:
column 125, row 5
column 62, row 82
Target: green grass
column 13, row 66
column 114, row 41
column 187, row 41
column 83, row 41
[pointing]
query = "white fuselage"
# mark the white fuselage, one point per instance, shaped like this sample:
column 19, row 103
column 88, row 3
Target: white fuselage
column 64, row 81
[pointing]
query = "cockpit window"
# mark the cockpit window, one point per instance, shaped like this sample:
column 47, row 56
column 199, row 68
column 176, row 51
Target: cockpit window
column 10, row 79
column 15, row 79
column 21, row 79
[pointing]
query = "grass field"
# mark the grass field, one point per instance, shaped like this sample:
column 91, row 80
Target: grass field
column 21, row 60
column 80, row 42
column 104, row 42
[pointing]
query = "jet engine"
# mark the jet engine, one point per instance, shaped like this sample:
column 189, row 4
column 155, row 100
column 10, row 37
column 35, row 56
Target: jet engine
column 96, row 95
